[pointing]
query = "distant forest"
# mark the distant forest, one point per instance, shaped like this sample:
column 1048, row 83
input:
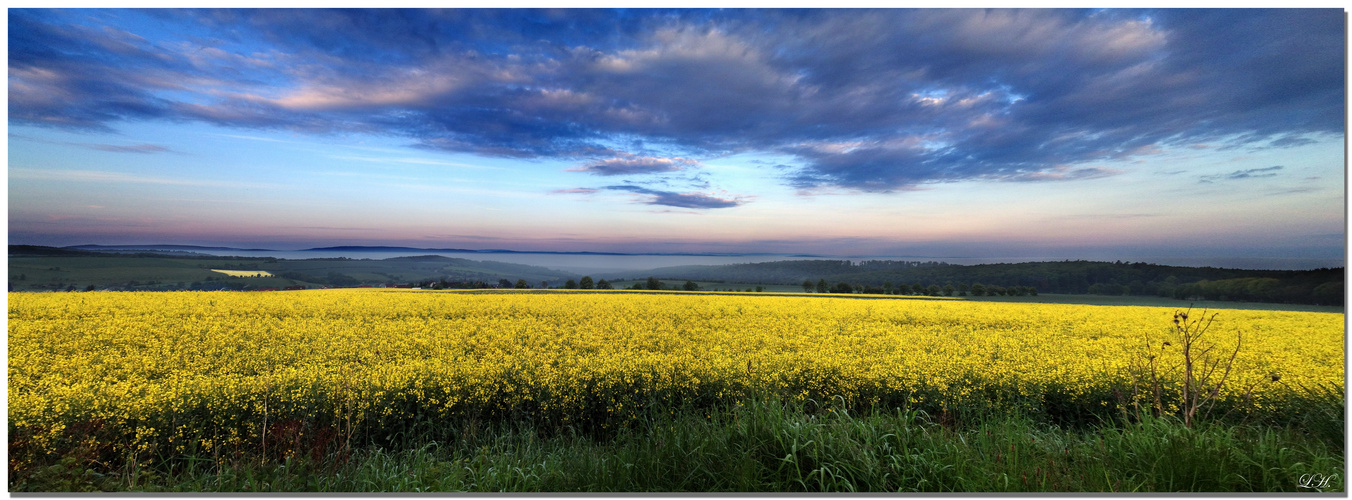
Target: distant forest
column 47, row 268
column 1319, row 286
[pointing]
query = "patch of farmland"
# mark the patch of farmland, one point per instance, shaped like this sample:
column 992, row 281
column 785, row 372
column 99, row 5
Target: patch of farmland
column 243, row 274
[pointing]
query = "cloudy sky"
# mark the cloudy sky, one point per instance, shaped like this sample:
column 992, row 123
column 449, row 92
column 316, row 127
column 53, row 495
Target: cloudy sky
column 1030, row 133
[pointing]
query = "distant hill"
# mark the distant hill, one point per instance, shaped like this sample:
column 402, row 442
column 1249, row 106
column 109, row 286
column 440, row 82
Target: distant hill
column 351, row 248
column 82, row 251
column 180, row 248
column 49, row 268
column 354, row 248
column 38, row 267
column 389, row 249
column 35, row 250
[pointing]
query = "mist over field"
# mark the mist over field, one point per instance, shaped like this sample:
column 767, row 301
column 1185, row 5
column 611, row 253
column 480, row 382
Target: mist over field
column 611, row 264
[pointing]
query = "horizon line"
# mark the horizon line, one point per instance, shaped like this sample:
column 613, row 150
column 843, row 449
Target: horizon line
column 944, row 260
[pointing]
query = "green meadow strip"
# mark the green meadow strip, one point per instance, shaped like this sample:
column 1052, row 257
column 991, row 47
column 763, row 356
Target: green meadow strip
column 769, row 446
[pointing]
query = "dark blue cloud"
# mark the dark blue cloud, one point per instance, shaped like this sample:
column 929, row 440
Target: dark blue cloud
column 633, row 165
column 137, row 148
column 1244, row 174
column 876, row 100
column 111, row 148
column 679, row 200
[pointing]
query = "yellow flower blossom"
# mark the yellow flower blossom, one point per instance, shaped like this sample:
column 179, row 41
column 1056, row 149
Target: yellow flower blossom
column 226, row 369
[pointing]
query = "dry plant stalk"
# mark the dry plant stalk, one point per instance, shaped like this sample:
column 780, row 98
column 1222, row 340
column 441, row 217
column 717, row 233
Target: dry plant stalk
column 1203, row 369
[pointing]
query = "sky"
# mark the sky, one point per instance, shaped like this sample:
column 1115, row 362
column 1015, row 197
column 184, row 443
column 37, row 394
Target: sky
column 1050, row 133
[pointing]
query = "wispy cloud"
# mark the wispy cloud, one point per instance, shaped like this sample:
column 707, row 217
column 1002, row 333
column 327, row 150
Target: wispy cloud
column 634, row 165
column 119, row 177
column 414, row 161
column 574, row 191
column 1062, row 173
column 434, row 188
column 1251, row 173
column 112, row 148
column 679, row 200
column 138, row 148
column 335, row 228
column 385, row 177
column 1298, row 190
column 1114, row 216
column 1291, row 141
column 254, row 138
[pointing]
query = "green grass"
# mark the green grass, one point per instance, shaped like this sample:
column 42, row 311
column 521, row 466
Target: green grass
column 38, row 272
column 763, row 446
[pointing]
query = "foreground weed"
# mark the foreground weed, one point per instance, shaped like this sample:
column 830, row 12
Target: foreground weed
column 775, row 447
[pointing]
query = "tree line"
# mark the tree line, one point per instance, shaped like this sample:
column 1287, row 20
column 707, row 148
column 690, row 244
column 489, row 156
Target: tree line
column 588, row 283
column 1318, row 286
column 932, row 290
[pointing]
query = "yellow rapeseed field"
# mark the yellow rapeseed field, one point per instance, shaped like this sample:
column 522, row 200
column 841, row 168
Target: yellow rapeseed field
column 206, row 369
column 243, row 274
